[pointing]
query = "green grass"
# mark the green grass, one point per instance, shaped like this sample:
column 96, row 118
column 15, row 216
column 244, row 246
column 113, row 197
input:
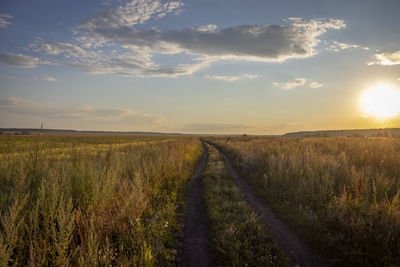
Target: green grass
column 238, row 236
column 342, row 194
column 89, row 201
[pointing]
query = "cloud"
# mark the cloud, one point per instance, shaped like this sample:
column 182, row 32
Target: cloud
column 292, row 84
column 132, row 13
column 131, row 61
column 19, row 60
column 296, row 83
column 250, row 76
column 231, row 78
column 67, row 49
column 112, row 42
column 139, row 64
column 5, row 20
column 338, row 46
column 223, row 78
column 9, row 77
column 207, row 28
column 388, row 58
column 250, row 42
column 316, row 85
column 77, row 113
column 46, row 78
column 268, row 43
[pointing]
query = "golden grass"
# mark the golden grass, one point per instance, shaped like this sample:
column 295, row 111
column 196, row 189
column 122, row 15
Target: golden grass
column 92, row 201
column 343, row 193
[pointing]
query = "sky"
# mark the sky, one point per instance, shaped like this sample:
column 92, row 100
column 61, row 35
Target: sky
column 199, row 66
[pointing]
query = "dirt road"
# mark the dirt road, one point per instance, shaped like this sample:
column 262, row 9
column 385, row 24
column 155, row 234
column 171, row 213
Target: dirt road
column 287, row 239
column 196, row 249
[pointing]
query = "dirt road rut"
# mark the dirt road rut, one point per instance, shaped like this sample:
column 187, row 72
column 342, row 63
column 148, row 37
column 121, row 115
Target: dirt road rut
column 287, row 239
column 196, row 249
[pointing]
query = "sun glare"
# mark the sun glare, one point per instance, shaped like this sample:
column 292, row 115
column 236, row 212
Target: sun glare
column 382, row 101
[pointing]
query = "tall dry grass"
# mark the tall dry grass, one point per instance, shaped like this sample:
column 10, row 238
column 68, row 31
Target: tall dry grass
column 92, row 201
column 345, row 191
column 238, row 236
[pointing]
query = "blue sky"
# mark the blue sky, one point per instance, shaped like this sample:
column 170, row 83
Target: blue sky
column 261, row 67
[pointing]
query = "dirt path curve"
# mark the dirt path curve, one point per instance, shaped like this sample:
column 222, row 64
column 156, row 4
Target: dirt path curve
column 287, row 239
column 196, row 251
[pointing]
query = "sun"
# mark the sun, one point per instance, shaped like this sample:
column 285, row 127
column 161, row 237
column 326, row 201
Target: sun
column 382, row 101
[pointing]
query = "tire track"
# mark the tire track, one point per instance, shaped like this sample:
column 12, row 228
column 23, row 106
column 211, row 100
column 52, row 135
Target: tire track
column 287, row 239
column 196, row 249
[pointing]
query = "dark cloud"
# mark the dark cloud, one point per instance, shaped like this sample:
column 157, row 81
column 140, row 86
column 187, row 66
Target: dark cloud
column 18, row 60
column 264, row 42
column 246, row 42
column 268, row 43
column 116, row 29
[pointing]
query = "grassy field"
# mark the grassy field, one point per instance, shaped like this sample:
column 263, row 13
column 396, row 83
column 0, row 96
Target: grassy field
column 92, row 201
column 117, row 200
column 342, row 194
column 238, row 236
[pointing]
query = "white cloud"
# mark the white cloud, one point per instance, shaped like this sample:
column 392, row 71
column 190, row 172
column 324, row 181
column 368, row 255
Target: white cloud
column 5, row 20
column 224, row 78
column 19, row 60
column 67, row 49
column 83, row 114
column 316, row 85
column 338, row 46
column 231, row 78
column 132, row 13
column 207, row 28
column 250, row 76
column 291, row 84
column 296, row 83
column 315, row 25
column 46, row 78
column 388, row 58
column 139, row 64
